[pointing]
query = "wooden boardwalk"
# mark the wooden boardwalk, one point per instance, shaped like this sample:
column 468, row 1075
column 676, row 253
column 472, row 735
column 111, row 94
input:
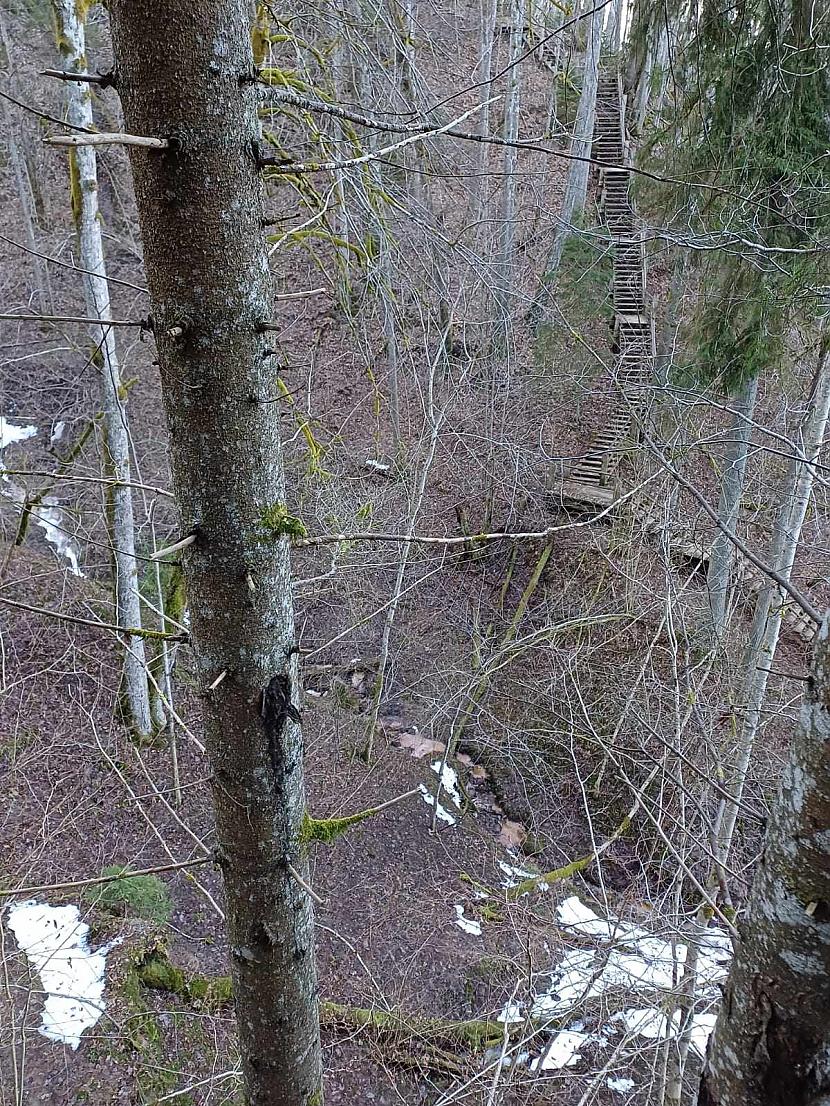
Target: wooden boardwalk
column 593, row 480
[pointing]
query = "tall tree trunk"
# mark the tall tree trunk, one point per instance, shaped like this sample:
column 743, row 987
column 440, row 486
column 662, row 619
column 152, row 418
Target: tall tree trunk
column 184, row 72
column 554, row 50
column 576, row 186
column 508, row 214
column 721, row 556
column 83, row 175
column 488, row 12
column 771, row 1044
column 766, row 622
column 23, row 183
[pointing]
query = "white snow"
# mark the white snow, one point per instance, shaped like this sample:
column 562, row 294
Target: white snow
column 55, row 941
column 47, row 514
column 514, row 875
column 620, row 1083
column 14, row 432
column 512, row 1012
column 469, row 925
column 645, row 1021
column 627, row 959
column 57, row 433
column 562, row 1051
column 50, row 518
column 443, row 814
column 449, row 780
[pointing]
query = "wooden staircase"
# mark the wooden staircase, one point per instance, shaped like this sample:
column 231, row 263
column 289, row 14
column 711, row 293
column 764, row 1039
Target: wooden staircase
column 592, row 480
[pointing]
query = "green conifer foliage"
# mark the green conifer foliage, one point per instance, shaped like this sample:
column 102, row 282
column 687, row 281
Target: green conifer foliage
column 750, row 135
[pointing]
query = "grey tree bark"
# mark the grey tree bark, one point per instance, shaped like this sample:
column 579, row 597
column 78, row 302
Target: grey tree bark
column 83, row 174
column 185, row 73
column 721, row 556
column 766, row 621
column 506, row 291
column 23, row 182
column 576, row 186
column 771, row 1044
column 488, row 11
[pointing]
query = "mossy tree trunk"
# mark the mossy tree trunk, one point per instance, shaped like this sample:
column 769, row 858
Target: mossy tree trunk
column 771, row 1044
column 185, row 73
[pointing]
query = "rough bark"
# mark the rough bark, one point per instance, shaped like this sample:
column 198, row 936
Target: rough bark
column 721, row 557
column 184, row 72
column 771, row 1044
column 83, row 173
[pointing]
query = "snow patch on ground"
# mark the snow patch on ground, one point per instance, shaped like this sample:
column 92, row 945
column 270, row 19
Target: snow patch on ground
column 13, row 432
column 514, row 875
column 562, row 1051
column 443, row 814
column 626, row 959
column 55, row 941
column 449, row 780
column 620, row 1083
column 47, row 514
column 469, row 925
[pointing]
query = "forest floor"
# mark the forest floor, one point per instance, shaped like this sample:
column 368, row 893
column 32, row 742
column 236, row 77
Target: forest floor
column 414, row 918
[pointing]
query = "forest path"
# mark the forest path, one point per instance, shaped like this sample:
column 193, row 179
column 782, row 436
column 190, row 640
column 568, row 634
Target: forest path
column 593, row 479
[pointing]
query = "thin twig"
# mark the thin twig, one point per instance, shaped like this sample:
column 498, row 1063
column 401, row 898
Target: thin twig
column 88, row 480
column 69, row 265
column 133, row 631
column 298, row 295
column 105, row 80
column 799, row 598
column 292, row 871
column 43, row 114
column 174, row 548
column 144, row 324
column 313, row 167
column 46, row 887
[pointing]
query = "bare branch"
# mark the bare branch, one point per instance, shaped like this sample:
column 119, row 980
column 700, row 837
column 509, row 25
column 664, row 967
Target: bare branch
column 133, row 631
column 93, row 880
column 142, row 324
column 115, row 138
column 282, row 166
column 103, row 80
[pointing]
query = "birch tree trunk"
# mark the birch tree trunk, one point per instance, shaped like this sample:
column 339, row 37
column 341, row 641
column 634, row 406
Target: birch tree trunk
column 185, row 73
column 766, row 622
column 732, row 485
column 771, row 1044
column 576, row 186
column 83, row 175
